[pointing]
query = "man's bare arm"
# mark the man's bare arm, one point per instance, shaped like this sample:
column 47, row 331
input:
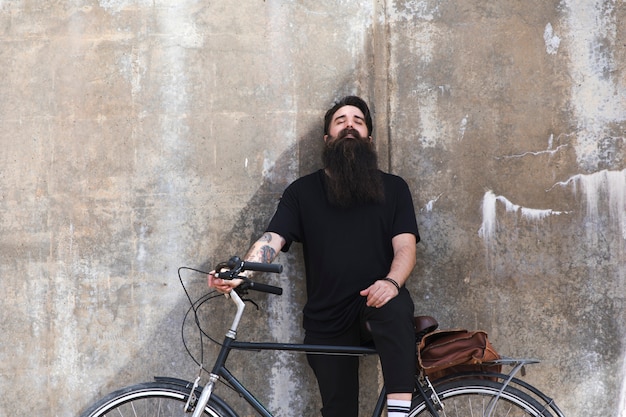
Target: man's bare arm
column 404, row 253
column 266, row 248
column 404, row 258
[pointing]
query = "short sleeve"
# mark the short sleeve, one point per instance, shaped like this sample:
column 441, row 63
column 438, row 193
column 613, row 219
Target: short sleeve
column 404, row 218
column 286, row 219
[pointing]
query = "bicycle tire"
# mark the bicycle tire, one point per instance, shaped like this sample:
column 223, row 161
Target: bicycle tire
column 472, row 398
column 152, row 399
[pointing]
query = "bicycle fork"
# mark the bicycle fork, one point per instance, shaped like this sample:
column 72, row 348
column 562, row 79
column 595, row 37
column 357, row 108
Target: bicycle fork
column 198, row 406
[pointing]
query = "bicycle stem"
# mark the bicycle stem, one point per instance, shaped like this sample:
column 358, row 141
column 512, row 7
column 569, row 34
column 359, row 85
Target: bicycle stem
column 213, row 377
column 232, row 333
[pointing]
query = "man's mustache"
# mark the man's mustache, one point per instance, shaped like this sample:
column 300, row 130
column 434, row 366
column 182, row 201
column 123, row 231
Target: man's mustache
column 349, row 132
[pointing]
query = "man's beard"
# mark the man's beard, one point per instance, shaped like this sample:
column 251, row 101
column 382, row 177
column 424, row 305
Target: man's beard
column 352, row 171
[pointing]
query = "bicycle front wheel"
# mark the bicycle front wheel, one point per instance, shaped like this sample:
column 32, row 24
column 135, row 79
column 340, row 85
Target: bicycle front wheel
column 151, row 399
column 482, row 398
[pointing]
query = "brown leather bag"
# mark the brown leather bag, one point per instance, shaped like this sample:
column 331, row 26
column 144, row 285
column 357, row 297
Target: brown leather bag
column 444, row 352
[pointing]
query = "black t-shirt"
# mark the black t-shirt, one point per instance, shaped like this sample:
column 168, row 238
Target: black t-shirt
column 345, row 250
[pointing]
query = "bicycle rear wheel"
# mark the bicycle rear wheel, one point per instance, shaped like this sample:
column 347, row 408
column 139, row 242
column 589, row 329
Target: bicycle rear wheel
column 482, row 398
column 152, row 399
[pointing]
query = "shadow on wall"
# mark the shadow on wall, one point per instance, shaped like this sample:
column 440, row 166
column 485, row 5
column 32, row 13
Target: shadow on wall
column 163, row 351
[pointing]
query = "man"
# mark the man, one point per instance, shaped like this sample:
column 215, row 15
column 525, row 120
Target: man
column 358, row 232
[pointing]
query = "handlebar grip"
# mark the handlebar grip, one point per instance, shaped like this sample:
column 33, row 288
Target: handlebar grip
column 261, row 267
column 248, row 284
column 256, row 286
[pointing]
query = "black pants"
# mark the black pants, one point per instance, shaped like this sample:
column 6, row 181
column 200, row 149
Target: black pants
column 391, row 329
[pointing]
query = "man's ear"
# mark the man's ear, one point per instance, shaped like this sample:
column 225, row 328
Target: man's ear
column 325, row 138
column 371, row 138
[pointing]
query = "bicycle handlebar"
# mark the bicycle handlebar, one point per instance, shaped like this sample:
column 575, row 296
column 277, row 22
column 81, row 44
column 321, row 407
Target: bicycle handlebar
column 261, row 267
column 235, row 266
column 257, row 286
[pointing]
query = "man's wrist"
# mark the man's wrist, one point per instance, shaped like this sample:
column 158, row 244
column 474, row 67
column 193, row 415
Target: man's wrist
column 393, row 281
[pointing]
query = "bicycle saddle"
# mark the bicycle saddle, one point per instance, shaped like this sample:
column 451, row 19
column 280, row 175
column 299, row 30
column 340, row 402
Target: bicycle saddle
column 424, row 325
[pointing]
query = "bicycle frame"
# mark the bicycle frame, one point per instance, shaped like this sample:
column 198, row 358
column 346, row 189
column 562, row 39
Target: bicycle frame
column 423, row 387
column 220, row 371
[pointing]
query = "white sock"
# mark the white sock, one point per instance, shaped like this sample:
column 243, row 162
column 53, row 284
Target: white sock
column 398, row 408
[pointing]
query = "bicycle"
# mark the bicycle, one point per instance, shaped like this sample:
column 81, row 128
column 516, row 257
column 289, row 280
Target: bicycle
column 475, row 393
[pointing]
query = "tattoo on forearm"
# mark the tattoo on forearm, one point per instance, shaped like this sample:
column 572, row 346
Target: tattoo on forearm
column 267, row 254
column 261, row 251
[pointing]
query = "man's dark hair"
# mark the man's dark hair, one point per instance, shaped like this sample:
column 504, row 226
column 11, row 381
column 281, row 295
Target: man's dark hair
column 349, row 101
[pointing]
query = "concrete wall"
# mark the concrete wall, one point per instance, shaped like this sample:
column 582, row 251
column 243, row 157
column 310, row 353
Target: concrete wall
column 143, row 135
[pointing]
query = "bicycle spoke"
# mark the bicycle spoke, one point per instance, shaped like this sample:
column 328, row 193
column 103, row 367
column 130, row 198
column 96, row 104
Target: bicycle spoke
column 483, row 399
column 148, row 400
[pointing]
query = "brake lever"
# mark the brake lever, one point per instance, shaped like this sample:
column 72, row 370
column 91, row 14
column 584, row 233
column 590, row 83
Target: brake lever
column 251, row 301
column 242, row 290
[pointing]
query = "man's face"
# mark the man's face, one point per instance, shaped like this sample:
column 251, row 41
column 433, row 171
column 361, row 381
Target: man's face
column 345, row 118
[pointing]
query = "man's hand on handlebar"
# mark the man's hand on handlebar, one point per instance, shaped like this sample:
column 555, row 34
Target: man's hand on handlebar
column 235, row 272
column 223, row 285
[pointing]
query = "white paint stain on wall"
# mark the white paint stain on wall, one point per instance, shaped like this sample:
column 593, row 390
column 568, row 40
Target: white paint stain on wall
column 410, row 10
column 604, row 191
column 268, row 166
column 552, row 41
column 463, row 127
column 597, row 97
column 488, row 228
column 429, row 206
column 115, row 6
column 431, row 132
column 422, row 40
column 550, row 152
